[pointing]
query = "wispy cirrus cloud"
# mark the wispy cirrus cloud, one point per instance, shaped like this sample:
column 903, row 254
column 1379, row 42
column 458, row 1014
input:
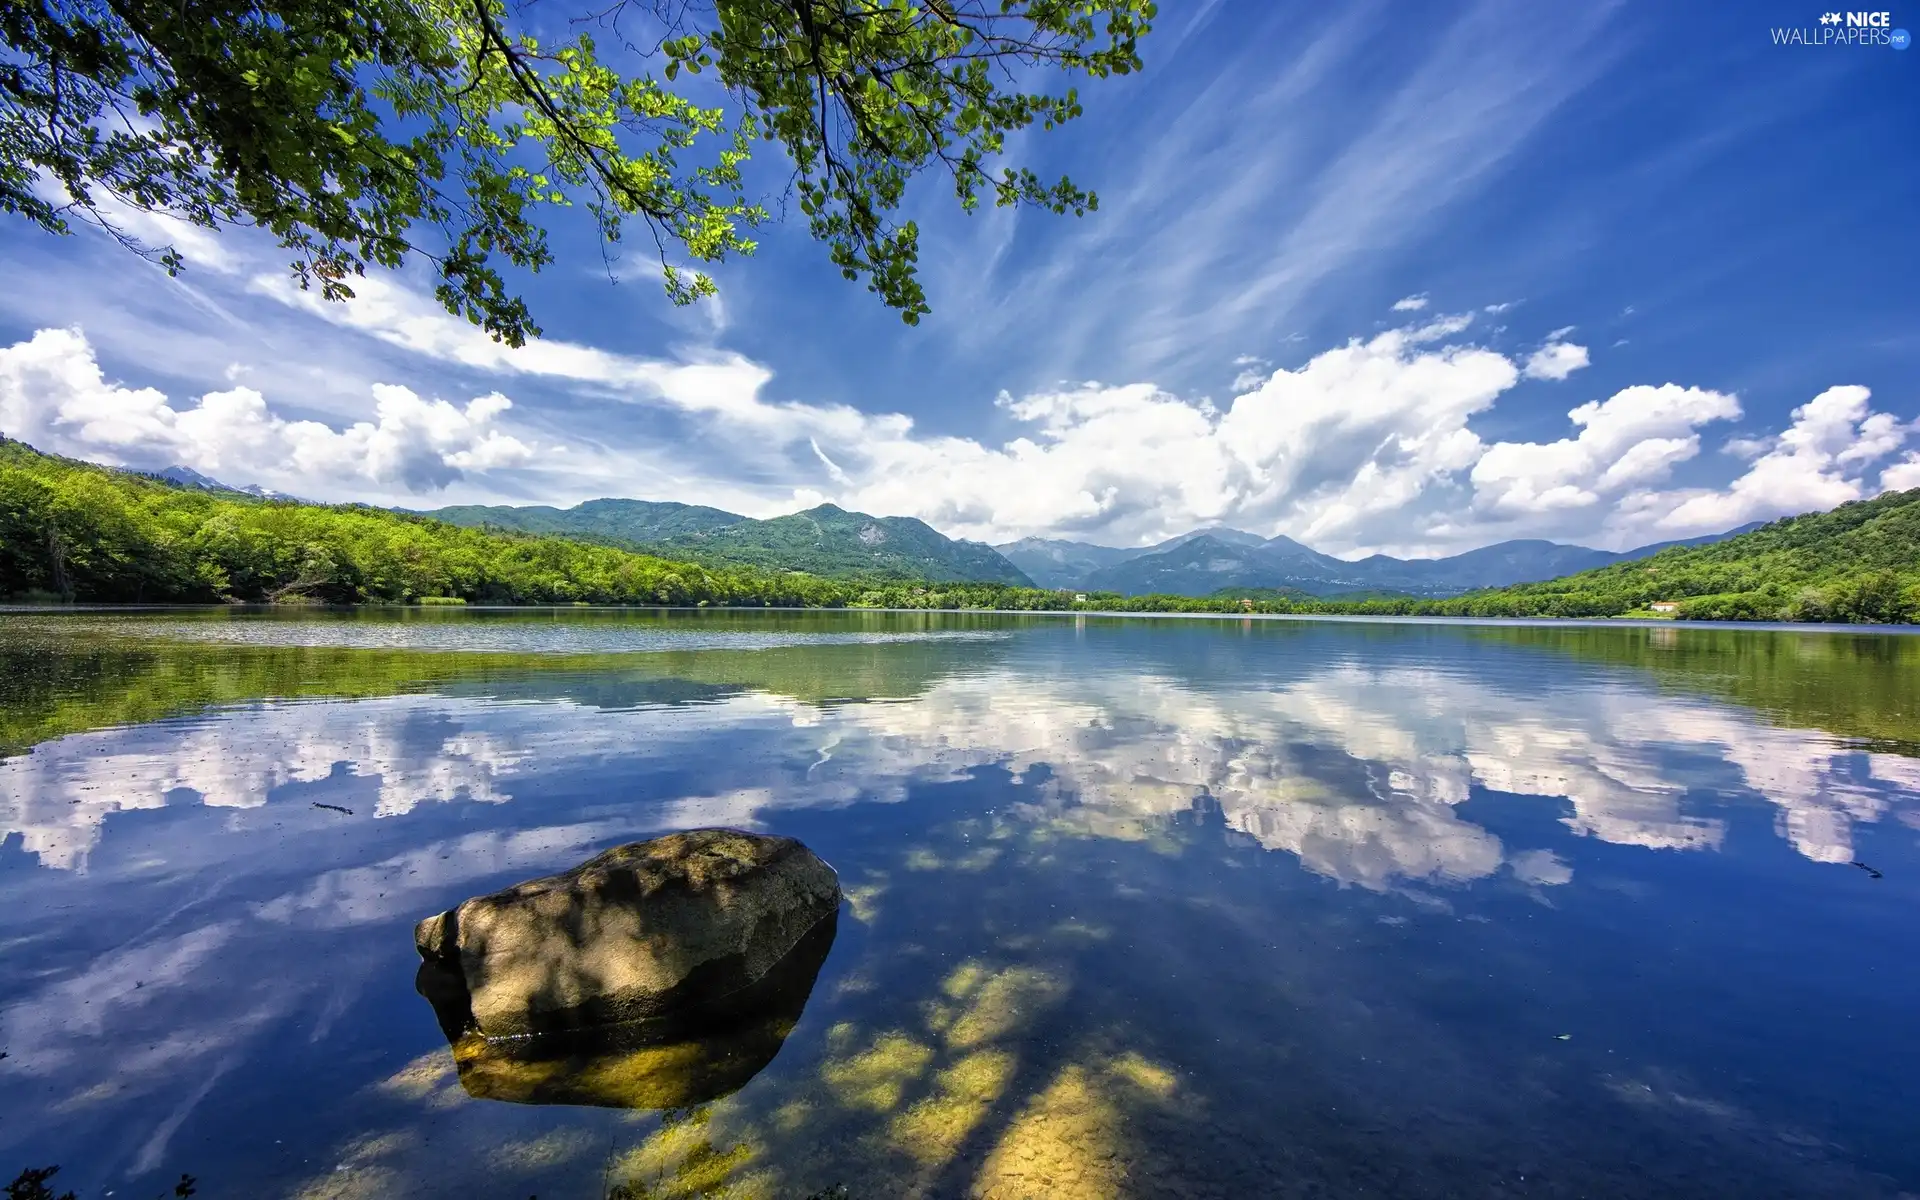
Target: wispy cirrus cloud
column 1277, row 170
column 1239, row 210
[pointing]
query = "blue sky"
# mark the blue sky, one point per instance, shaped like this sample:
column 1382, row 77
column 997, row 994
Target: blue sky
column 1402, row 278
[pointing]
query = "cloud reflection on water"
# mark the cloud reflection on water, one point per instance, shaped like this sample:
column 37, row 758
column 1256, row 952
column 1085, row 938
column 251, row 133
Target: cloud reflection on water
column 1357, row 771
column 1366, row 770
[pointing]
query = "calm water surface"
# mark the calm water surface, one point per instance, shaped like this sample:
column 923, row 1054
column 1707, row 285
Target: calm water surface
column 1134, row 908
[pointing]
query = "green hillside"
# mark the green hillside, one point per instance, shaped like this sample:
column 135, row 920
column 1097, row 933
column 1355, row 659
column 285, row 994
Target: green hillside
column 1857, row 563
column 77, row 531
column 826, row 541
column 624, row 521
column 831, row 542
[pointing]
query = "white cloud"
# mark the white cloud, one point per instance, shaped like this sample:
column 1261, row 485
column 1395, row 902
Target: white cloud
column 1902, row 475
column 1323, row 448
column 1632, row 438
column 1556, row 360
column 1254, row 370
column 1542, row 868
column 721, row 386
column 1816, row 464
column 1369, row 446
column 1412, row 303
column 54, row 394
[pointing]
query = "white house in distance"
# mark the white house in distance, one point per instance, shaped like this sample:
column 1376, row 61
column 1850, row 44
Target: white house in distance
column 1665, row 606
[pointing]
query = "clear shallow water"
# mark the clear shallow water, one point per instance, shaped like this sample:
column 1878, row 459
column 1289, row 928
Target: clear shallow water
column 1135, row 908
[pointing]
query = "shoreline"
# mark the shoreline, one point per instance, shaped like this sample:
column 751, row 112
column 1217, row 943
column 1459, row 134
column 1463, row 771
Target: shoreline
column 7, row 610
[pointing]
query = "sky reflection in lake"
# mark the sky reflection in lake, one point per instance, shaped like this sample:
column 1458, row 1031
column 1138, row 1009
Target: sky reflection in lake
column 1133, row 906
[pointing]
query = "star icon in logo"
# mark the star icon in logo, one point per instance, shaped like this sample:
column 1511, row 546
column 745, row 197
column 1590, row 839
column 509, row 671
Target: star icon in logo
column 1829, row 18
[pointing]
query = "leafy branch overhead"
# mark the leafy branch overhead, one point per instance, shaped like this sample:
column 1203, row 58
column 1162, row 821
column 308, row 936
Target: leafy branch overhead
column 365, row 134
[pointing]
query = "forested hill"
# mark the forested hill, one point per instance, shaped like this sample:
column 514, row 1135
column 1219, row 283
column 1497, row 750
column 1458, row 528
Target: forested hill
column 837, row 544
column 826, row 541
column 1859, row 562
column 75, row 531
column 630, row 521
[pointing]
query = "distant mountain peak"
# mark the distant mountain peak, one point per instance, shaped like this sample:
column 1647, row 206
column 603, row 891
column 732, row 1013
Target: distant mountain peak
column 824, row 540
column 193, row 478
column 188, row 477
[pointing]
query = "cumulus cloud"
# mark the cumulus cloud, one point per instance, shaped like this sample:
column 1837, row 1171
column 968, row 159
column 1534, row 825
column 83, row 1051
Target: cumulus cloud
column 1556, row 360
column 1818, row 463
column 54, row 394
column 1368, row 446
column 1902, row 475
column 1324, row 448
column 1412, row 303
column 1253, row 371
column 1631, row 438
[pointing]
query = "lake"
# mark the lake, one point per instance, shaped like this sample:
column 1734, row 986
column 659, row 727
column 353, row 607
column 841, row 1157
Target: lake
column 1134, row 907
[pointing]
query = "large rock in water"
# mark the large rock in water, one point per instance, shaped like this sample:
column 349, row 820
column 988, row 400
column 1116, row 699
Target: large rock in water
column 632, row 1065
column 674, row 933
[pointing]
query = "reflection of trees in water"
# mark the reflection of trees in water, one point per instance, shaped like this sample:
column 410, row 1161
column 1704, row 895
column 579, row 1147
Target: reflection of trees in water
column 60, row 677
column 1356, row 763
column 1013, row 1016
column 1852, row 685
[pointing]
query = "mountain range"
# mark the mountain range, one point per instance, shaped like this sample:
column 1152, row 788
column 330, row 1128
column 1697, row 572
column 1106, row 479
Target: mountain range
column 826, row 540
column 85, row 532
column 636, row 522
column 189, row 478
column 834, row 543
column 1207, row 561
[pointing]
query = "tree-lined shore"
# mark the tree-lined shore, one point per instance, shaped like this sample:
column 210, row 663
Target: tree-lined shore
column 74, row 531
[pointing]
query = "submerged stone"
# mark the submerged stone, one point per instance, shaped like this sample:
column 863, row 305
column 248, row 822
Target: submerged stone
column 639, row 1064
column 673, row 934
